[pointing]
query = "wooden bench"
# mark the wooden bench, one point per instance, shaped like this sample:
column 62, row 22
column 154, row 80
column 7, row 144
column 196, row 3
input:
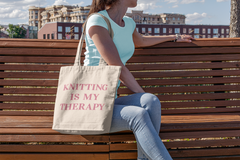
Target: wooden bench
column 197, row 83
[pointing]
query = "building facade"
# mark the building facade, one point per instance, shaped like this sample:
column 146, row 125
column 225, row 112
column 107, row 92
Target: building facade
column 164, row 18
column 61, row 30
column 57, row 13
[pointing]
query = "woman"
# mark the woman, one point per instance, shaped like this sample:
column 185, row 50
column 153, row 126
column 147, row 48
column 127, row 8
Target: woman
column 139, row 112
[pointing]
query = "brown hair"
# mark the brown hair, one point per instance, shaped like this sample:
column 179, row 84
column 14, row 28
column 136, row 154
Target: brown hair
column 99, row 5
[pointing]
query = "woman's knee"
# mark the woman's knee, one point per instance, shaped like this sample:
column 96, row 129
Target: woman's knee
column 150, row 100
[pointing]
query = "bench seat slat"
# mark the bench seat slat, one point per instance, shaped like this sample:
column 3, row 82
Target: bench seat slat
column 54, row 138
column 57, row 156
column 54, row 148
column 164, row 111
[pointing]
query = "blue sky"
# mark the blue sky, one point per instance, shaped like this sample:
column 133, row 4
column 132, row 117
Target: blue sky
column 215, row 12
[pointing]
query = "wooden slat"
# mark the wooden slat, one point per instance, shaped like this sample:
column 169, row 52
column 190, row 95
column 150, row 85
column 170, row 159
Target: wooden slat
column 50, row 156
column 131, row 67
column 188, row 81
column 27, row 106
column 54, row 148
column 164, row 112
column 136, row 67
column 135, row 74
column 161, row 97
column 180, row 144
column 181, row 89
column 179, row 135
column 137, row 59
column 54, row 138
column 184, row 153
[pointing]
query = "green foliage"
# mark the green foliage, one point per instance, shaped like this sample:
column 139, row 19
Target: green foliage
column 16, row 31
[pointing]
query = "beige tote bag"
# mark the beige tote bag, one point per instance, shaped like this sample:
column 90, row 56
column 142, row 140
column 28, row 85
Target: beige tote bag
column 85, row 95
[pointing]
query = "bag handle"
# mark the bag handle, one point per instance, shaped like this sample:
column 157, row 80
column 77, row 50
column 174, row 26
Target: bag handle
column 79, row 50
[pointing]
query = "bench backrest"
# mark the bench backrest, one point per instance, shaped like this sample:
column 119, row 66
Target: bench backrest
column 187, row 77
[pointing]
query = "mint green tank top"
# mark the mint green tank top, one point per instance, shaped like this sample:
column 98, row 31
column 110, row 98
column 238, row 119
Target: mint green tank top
column 122, row 39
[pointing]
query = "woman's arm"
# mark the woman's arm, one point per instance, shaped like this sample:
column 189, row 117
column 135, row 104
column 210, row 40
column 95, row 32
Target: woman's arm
column 109, row 52
column 145, row 41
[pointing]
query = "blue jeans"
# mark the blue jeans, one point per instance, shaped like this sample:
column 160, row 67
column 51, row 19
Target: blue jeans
column 141, row 113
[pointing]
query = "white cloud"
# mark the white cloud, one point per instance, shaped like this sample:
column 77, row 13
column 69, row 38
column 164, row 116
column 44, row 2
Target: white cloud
column 18, row 8
column 175, row 6
column 61, row 2
column 146, row 5
column 192, row 1
column 195, row 18
column 223, row 0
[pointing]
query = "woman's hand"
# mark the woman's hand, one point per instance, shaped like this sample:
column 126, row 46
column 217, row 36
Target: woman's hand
column 185, row 38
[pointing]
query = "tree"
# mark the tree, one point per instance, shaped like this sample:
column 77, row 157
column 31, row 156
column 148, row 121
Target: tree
column 235, row 19
column 16, row 31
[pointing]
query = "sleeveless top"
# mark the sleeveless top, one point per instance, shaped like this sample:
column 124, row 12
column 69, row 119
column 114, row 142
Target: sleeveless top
column 122, row 39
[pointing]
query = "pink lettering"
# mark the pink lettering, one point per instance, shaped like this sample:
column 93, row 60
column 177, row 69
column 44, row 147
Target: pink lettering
column 62, row 106
column 66, row 106
column 95, row 106
column 75, row 106
column 101, row 106
column 81, row 105
column 65, row 87
column 96, row 96
column 89, row 106
column 87, row 97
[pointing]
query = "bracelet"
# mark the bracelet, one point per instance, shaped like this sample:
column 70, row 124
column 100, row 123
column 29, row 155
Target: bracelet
column 177, row 37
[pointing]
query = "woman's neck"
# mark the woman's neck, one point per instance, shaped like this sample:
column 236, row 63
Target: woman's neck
column 116, row 13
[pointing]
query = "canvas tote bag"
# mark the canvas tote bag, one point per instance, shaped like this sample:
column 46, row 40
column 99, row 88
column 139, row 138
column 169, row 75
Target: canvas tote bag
column 85, row 95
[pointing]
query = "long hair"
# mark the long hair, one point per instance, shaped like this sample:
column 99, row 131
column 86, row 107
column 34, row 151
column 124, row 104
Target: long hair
column 99, row 5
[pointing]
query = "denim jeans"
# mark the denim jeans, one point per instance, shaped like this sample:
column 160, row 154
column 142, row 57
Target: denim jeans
column 141, row 113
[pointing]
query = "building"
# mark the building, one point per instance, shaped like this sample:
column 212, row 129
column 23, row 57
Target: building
column 164, row 18
column 61, row 30
column 57, row 13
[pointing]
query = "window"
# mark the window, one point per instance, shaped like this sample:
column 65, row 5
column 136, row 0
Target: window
column 196, row 30
column 222, row 36
column 164, row 30
column 48, row 36
column 149, row 18
column 209, row 31
column 190, row 30
column 67, row 29
column 36, row 17
column 209, row 36
column 227, row 30
column 170, row 30
column 143, row 30
column 203, row 36
column 149, row 30
column 76, row 36
column 52, row 35
column 68, row 36
column 184, row 30
column 178, row 19
column 196, row 36
column 44, row 36
column 66, row 18
column 166, row 18
column 156, row 30
column 76, row 29
column 222, row 31
column 173, row 19
column 227, row 36
column 215, row 30
column 36, row 21
column 203, row 30
column 137, row 29
column 177, row 30
column 59, row 36
column 215, row 36
column 59, row 28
